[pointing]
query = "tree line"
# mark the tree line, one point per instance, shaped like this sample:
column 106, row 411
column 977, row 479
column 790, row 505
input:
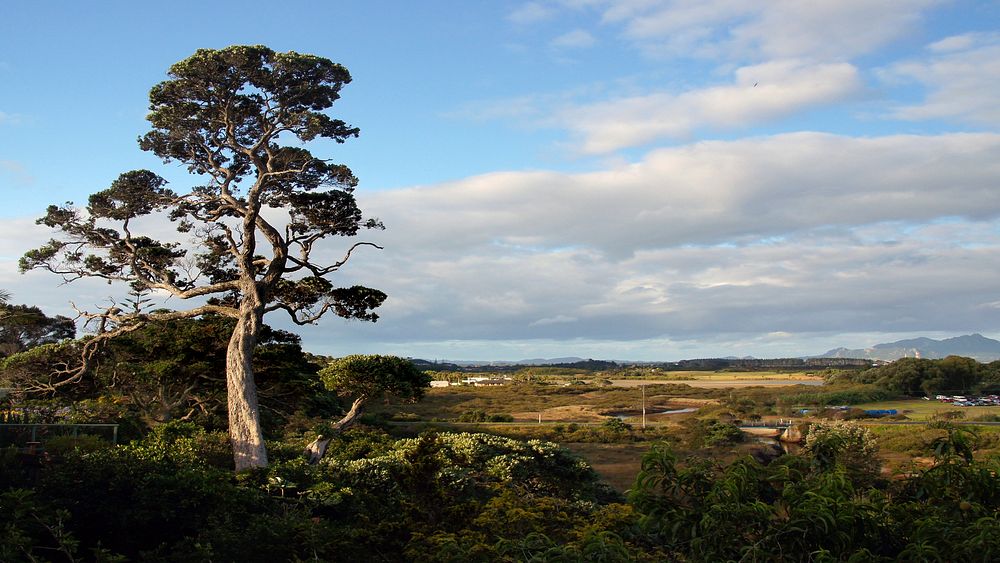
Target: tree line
column 919, row 377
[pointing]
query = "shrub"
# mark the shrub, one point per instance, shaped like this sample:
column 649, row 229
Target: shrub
column 719, row 433
column 616, row 426
column 845, row 444
column 61, row 445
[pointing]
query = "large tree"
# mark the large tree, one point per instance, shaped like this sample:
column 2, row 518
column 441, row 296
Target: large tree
column 23, row 327
column 254, row 220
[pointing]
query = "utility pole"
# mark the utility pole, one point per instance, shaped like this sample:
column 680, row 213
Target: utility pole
column 643, row 387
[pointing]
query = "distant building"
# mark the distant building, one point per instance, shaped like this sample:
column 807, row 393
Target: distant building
column 484, row 381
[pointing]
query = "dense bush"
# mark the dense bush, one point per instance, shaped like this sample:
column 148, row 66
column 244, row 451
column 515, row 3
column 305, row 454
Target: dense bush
column 920, row 377
column 173, row 497
column 845, row 444
column 478, row 415
column 797, row 509
column 165, row 371
column 849, row 394
column 711, row 432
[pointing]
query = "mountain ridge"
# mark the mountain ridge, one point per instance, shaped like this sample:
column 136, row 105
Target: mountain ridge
column 974, row 346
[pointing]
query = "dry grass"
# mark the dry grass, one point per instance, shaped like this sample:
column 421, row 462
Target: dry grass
column 719, row 382
column 617, row 464
column 567, row 413
column 742, row 375
column 576, row 403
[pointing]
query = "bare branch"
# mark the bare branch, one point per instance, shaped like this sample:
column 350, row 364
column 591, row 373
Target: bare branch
column 303, row 261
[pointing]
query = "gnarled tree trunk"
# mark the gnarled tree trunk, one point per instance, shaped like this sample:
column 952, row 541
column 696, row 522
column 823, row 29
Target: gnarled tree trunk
column 317, row 448
column 245, row 432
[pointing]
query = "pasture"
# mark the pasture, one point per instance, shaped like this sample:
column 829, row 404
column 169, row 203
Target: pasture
column 919, row 409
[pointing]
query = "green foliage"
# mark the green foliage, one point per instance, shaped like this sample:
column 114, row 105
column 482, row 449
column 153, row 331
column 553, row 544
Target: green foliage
column 711, row 432
column 794, row 510
column 475, row 497
column 989, row 382
column 63, row 445
column 225, row 114
column 616, row 425
column 24, row 327
column 846, row 445
column 373, row 376
column 175, row 370
column 35, row 371
column 841, row 394
column 918, row 377
column 481, row 416
column 31, row 530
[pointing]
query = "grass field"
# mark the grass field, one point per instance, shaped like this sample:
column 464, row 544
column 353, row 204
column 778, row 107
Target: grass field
column 556, row 403
column 617, row 464
column 738, row 375
column 564, row 406
column 919, row 409
column 717, row 383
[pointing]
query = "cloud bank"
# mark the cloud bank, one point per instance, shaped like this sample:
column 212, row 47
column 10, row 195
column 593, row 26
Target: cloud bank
column 792, row 234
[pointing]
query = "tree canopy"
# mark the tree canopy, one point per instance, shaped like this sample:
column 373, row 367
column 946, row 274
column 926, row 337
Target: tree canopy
column 921, row 376
column 236, row 118
column 23, row 327
column 363, row 378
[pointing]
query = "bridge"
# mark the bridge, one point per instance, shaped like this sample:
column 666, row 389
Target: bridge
column 766, row 429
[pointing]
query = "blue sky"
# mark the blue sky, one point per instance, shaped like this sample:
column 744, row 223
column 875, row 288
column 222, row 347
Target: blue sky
column 629, row 179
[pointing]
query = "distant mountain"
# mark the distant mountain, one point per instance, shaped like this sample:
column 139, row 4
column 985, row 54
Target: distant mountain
column 549, row 361
column 528, row 362
column 971, row 346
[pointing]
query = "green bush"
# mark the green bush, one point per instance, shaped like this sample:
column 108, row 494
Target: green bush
column 616, row 426
column 478, row 415
column 61, row 445
column 844, row 444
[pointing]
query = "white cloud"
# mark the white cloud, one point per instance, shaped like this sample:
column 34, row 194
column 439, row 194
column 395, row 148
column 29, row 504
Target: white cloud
column 16, row 172
column 750, row 245
column 755, row 95
column 531, row 12
column 759, row 94
column 799, row 233
column 576, row 39
column 955, row 43
column 9, row 118
column 740, row 30
column 962, row 79
column 709, row 193
column 792, row 233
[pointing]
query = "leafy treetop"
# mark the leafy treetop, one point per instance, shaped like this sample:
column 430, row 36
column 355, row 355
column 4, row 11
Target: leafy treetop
column 224, row 114
column 235, row 117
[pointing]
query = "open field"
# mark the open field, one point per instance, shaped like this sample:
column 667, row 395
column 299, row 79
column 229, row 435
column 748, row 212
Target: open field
column 563, row 408
column 556, row 403
column 719, row 382
column 618, row 464
column 919, row 409
column 739, row 375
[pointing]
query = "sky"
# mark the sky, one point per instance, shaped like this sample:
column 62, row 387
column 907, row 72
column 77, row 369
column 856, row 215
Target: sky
column 613, row 179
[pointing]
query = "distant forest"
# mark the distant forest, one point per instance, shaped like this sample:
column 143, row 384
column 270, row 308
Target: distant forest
column 705, row 364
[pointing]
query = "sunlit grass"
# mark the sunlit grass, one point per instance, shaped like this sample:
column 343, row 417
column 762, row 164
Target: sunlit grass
column 919, row 409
